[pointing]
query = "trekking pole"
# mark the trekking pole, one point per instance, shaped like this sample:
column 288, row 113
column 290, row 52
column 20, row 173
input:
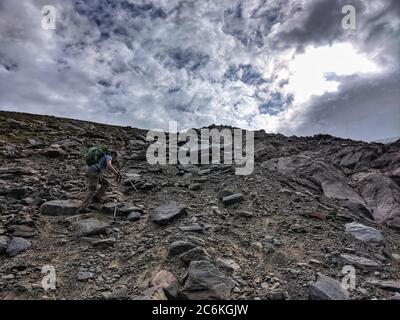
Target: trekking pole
column 118, row 182
column 133, row 186
column 115, row 210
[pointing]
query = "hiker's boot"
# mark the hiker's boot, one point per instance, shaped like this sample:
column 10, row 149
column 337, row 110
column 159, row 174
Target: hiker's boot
column 96, row 200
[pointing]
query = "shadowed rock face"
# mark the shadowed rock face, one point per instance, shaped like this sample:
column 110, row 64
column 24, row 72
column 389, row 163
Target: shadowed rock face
column 367, row 188
column 324, row 175
column 312, row 204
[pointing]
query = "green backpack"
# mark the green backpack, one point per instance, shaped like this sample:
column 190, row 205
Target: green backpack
column 95, row 153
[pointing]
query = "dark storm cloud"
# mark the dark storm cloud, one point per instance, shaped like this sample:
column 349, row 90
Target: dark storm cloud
column 318, row 23
column 370, row 104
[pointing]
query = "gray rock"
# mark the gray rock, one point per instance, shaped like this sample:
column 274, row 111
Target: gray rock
column 364, row 233
column 205, row 281
column 127, row 209
column 224, row 193
column 227, row 264
column 91, row 227
column 194, row 186
column 85, row 275
column 232, row 199
column 178, row 247
column 246, row 214
column 53, row 153
column 195, row 254
column 104, row 242
column 60, row 207
column 326, row 288
column 358, row 209
column 395, row 297
column 17, row 245
column 109, row 208
column 4, row 240
column 22, row 231
column 134, row 216
column 361, row 262
column 167, row 212
column 192, row 228
column 14, row 192
column 389, row 285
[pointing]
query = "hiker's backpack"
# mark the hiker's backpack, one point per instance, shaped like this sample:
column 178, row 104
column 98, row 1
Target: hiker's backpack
column 95, row 153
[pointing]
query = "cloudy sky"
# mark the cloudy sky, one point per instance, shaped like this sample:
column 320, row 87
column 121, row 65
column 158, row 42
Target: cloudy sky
column 284, row 66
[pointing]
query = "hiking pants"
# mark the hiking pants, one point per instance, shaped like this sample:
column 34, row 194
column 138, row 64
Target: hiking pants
column 94, row 178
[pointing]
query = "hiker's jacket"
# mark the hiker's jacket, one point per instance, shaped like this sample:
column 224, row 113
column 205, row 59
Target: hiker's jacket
column 102, row 164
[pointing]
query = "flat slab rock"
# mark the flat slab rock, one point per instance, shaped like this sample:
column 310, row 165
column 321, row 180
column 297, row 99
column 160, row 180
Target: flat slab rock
column 60, row 207
column 91, row 227
column 167, row 212
column 389, row 285
column 361, row 262
column 232, row 199
column 363, row 233
column 327, row 288
column 205, row 281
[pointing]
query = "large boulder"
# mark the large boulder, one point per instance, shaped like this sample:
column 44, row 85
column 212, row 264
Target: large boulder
column 363, row 233
column 326, row 288
column 60, row 207
column 205, row 281
column 167, row 212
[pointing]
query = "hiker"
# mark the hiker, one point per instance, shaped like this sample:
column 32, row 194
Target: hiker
column 99, row 160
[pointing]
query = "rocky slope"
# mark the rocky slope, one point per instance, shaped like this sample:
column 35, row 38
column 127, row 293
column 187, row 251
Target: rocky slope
column 312, row 206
